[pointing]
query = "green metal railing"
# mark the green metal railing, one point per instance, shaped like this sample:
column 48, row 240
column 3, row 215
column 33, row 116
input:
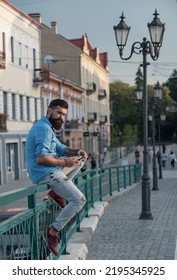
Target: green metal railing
column 23, row 235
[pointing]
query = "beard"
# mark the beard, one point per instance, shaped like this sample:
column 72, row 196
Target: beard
column 57, row 124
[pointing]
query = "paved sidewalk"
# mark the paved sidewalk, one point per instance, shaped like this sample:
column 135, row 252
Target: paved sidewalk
column 113, row 230
column 122, row 235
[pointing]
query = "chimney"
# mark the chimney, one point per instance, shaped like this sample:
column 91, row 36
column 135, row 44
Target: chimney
column 54, row 26
column 36, row 17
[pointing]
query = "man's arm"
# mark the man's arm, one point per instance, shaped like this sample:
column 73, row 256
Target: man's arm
column 50, row 161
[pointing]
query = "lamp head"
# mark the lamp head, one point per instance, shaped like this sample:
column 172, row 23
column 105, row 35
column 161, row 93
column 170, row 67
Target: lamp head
column 121, row 33
column 158, row 91
column 156, row 30
column 139, row 93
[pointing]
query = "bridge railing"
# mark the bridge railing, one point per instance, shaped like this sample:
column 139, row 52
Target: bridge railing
column 23, row 234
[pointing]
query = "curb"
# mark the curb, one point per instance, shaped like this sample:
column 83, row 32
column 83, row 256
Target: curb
column 77, row 246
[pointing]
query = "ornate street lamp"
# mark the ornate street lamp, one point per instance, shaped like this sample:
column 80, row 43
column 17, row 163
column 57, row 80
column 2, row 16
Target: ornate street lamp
column 155, row 102
column 156, row 30
column 158, row 95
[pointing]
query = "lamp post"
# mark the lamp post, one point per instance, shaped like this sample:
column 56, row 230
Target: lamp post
column 162, row 117
column 156, row 30
column 154, row 102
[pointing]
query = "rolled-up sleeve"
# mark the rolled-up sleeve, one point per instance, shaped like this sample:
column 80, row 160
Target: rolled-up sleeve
column 43, row 142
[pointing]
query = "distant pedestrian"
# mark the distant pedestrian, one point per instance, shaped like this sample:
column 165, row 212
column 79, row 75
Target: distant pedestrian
column 93, row 163
column 164, row 159
column 103, row 165
column 105, row 150
column 158, row 156
column 172, row 159
column 137, row 156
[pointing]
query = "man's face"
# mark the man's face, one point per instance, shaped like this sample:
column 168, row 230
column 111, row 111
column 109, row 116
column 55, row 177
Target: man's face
column 56, row 116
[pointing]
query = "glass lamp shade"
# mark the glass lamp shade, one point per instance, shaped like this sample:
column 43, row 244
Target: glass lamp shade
column 121, row 33
column 162, row 117
column 158, row 91
column 139, row 93
column 150, row 117
column 156, row 30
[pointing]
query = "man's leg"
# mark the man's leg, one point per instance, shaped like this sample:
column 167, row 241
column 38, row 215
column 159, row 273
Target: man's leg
column 63, row 186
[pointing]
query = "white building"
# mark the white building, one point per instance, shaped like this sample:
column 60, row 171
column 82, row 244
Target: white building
column 20, row 52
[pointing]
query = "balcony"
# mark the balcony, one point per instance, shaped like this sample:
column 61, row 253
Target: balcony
column 92, row 117
column 40, row 76
column 3, row 122
column 91, row 88
column 2, row 60
column 103, row 119
column 101, row 94
column 72, row 124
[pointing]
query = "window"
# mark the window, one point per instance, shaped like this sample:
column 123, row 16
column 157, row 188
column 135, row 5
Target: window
column 35, row 108
column 21, row 108
column 34, row 62
column 26, row 56
column 10, row 152
column 23, row 156
column 27, row 108
column 5, row 102
column 12, row 49
column 20, row 54
column 3, row 42
column 13, row 106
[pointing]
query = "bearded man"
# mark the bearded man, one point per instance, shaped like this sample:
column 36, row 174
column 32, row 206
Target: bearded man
column 44, row 165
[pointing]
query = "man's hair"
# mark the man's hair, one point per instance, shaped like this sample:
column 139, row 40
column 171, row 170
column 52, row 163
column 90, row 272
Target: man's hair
column 58, row 102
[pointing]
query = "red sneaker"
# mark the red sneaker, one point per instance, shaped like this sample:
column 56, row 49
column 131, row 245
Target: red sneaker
column 57, row 198
column 53, row 242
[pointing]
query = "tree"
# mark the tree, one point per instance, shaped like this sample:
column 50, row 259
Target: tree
column 139, row 78
column 123, row 111
column 172, row 85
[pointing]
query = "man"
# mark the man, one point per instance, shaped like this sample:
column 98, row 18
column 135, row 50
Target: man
column 137, row 156
column 44, row 165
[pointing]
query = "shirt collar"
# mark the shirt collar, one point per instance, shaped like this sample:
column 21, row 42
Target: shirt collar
column 47, row 121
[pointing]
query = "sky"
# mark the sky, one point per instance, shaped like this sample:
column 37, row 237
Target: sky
column 96, row 18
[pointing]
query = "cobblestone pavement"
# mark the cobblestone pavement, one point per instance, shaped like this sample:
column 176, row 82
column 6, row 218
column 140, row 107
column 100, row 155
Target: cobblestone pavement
column 121, row 235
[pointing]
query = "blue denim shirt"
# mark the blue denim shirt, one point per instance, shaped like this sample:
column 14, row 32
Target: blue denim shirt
column 41, row 141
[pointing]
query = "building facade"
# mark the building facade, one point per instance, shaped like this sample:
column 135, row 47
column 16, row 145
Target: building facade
column 76, row 60
column 19, row 97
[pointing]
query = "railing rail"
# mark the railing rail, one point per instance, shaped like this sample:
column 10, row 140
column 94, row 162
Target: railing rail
column 23, row 236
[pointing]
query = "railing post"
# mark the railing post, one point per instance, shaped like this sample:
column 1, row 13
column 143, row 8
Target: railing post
column 86, row 194
column 124, row 177
column 118, row 183
column 130, row 181
column 34, row 230
column 110, row 182
column 135, row 173
column 100, row 185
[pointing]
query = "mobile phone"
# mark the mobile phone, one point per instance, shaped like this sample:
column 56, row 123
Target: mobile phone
column 79, row 158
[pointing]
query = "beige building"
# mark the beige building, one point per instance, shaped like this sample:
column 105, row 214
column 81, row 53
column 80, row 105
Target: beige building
column 57, row 87
column 20, row 106
column 77, row 61
column 61, row 85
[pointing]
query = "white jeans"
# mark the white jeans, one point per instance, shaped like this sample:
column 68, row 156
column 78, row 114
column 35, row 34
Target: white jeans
column 63, row 186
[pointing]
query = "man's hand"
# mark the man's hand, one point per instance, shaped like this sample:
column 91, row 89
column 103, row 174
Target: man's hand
column 83, row 154
column 70, row 161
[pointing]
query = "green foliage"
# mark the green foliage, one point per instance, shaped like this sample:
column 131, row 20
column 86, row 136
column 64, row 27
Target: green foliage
column 127, row 114
column 139, row 78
